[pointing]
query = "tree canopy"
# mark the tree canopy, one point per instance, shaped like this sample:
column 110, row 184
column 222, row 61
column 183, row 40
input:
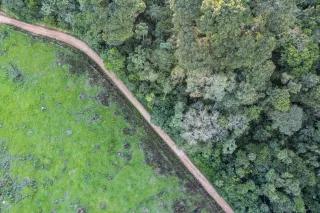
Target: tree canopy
column 235, row 82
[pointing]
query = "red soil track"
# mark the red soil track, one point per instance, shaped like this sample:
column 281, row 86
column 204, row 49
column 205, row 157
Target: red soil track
column 83, row 47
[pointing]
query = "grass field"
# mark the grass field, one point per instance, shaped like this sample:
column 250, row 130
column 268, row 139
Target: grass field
column 66, row 146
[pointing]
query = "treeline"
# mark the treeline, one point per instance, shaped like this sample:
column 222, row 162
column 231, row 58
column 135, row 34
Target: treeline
column 236, row 82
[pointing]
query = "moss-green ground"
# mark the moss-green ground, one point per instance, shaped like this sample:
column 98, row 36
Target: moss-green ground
column 61, row 150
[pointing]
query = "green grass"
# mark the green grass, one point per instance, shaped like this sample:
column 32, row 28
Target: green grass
column 60, row 149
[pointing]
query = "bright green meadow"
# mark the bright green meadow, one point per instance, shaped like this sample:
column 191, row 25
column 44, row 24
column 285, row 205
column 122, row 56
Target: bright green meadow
column 62, row 150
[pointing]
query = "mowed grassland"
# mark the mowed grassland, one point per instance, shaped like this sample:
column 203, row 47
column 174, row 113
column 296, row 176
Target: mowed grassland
column 61, row 149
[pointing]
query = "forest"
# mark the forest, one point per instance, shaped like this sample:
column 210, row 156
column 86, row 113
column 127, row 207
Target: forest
column 235, row 82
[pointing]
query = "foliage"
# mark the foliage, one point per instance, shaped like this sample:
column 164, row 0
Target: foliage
column 288, row 122
column 236, row 82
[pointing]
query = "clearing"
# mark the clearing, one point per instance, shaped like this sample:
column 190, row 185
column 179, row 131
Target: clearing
column 70, row 142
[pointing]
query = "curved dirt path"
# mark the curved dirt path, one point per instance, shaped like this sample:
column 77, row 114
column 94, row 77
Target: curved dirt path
column 83, row 47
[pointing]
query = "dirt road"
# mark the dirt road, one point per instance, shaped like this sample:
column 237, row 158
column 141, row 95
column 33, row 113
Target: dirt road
column 83, row 47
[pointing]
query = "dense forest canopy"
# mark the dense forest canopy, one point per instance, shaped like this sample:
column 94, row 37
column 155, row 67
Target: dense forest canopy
column 235, row 82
